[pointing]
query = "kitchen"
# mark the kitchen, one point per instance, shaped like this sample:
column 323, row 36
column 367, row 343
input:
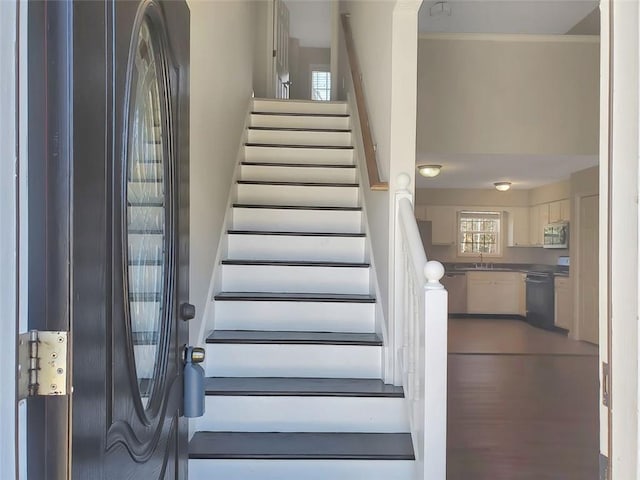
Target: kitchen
column 508, row 139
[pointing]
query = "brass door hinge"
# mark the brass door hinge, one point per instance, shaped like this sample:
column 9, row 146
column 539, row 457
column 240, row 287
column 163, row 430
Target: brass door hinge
column 43, row 364
column 606, row 385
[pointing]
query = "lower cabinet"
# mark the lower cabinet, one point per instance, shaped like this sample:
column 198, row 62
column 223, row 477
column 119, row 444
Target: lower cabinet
column 523, row 295
column 563, row 303
column 494, row 292
column 456, row 285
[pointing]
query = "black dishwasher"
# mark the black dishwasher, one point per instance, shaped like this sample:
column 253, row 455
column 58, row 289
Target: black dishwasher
column 540, row 300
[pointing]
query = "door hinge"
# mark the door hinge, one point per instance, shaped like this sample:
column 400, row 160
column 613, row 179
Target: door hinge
column 606, row 385
column 604, row 468
column 43, row 361
column 274, row 54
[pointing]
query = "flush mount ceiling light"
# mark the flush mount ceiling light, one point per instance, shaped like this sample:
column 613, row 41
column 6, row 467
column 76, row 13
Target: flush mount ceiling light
column 429, row 170
column 502, row 186
column 440, row 9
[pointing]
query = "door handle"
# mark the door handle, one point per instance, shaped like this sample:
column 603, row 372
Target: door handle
column 187, row 311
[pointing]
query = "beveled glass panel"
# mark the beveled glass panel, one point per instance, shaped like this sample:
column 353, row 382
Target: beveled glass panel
column 146, row 212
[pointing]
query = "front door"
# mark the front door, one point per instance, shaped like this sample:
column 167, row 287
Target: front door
column 281, row 49
column 122, row 249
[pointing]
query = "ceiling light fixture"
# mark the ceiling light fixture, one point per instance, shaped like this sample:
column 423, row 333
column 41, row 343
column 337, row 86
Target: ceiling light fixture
column 502, row 186
column 440, row 9
column 429, row 170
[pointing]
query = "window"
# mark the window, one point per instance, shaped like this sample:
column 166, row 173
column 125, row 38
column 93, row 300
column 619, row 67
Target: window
column 479, row 233
column 320, row 85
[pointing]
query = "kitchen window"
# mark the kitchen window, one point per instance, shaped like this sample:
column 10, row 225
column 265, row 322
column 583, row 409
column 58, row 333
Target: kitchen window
column 479, row 234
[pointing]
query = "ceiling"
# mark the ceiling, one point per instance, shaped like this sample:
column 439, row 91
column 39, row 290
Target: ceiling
column 506, row 16
column 310, row 22
column 540, row 17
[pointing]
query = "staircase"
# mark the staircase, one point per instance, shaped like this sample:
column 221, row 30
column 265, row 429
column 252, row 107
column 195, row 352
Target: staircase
column 294, row 364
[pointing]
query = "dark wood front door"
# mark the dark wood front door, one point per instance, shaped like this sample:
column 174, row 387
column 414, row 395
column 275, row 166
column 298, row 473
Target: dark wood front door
column 130, row 230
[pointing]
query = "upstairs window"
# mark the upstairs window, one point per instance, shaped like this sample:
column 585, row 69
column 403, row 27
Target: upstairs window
column 479, row 233
column 320, row 85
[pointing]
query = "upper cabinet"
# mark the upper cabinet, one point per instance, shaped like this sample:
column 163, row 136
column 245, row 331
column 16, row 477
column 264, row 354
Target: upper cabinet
column 443, row 224
column 559, row 211
column 518, row 227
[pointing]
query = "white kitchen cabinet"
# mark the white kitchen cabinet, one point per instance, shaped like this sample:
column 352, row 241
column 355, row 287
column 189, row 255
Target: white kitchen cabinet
column 518, row 227
column 456, row 286
column 443, row 224
column 563, row 303
column 493, row 292
column 559, row 211
column 538, row 218
column 522, row 308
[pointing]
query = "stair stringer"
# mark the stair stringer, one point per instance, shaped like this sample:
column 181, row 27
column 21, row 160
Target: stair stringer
column 380, row 317
column 208, row 315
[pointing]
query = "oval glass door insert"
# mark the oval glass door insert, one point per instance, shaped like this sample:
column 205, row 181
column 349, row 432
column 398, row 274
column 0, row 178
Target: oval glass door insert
column 146, row 211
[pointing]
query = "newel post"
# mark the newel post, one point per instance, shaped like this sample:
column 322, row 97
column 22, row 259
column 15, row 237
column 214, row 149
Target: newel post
column 397, row 287
column 435, row 368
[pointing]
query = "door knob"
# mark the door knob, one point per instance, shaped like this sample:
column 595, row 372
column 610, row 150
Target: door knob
column 187, row 311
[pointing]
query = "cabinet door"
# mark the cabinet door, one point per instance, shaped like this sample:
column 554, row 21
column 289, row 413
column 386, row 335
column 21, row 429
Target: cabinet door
column 554, row 212
column 565, row 210
column 538, row 218
column 563, row 303
column 443, row 224
column 493, row 292
column 456, row 286
column 518, row 227
column 522, row 308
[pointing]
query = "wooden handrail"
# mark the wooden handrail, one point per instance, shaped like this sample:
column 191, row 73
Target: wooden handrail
column 367, row 139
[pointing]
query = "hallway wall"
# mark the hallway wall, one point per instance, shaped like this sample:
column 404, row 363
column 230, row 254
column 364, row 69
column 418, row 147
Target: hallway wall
column 222, row 44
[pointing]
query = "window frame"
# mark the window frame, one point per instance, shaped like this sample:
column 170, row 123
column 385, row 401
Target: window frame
column 322, row 68
column 462, row 214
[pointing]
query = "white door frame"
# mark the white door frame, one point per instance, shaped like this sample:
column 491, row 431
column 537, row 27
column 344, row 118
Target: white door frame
column 8, row 236
column 619, row 229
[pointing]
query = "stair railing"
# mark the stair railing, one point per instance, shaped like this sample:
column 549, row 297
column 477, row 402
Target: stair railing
column 418, row 339
column 375, row 183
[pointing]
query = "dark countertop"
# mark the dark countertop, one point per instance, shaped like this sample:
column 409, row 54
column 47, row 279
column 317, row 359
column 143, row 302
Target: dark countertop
column 464, row 267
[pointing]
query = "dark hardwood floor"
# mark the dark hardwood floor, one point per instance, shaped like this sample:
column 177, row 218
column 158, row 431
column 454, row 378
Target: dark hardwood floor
column 520, row 416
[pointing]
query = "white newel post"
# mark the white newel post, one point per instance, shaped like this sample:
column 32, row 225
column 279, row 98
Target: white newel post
column 435, row 367
column 396, row 329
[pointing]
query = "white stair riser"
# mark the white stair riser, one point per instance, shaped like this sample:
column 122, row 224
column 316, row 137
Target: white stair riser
column 284, row 220
column 275, row 278
column 298, row 470
column 338, row 156
column 298, row 195
column 300, row 316
column 281, row 360
column 290, row 137
column 298, row 174
column 303, row 414
column 282, row 247
column 298, row 121
column 288, row 106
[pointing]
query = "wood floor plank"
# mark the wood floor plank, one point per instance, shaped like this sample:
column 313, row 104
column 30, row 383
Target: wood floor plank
column 516, row 417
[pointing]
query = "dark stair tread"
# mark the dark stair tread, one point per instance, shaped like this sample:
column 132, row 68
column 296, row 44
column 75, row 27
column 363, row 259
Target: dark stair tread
column 296, row 207
column 294, row 297
column 296, row 184
column 302, row 129
column 294, row 234
column 302, row 114
column 295, row 263
column 293, row 338
column 301, row 387
column 302, row 165
column 301, row 445
column 287, row 145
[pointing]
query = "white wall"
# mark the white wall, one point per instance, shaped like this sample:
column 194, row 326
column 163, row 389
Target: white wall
column 508, row 94
column 385, row 37
column 222, row 57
